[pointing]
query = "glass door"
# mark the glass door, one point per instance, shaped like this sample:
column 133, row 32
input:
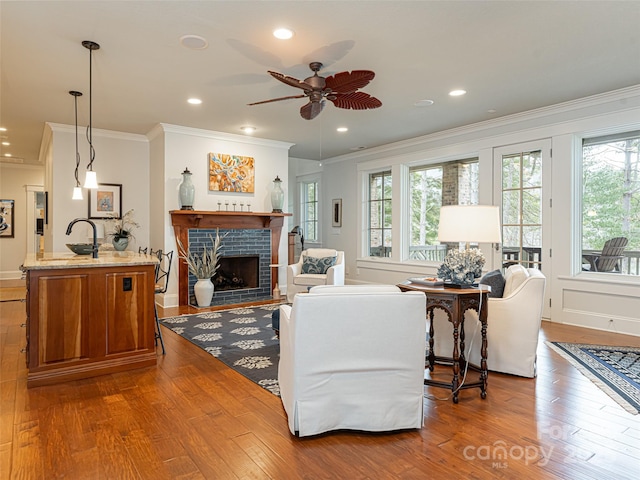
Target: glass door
column 522, row 190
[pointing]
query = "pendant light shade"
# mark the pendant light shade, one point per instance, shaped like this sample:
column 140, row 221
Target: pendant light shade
column 90, row 180
column 77, row 191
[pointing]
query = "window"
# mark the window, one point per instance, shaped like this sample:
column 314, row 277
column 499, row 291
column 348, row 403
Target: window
column 522, row 208
column 380, row 214
column 431, row 186
column 611, row 201
column 309, row 210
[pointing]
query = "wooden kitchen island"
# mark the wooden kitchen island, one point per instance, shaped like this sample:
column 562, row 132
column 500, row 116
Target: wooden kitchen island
column 88, row 316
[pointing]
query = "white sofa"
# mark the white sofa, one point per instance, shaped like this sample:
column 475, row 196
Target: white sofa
column 298, row 282
column 352, row 357
column 513, row 325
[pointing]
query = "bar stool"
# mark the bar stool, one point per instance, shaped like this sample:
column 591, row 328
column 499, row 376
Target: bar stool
column 162, row 281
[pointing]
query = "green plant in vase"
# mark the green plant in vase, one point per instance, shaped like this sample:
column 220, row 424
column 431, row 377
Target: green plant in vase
column 121, row 230
column 203, row 265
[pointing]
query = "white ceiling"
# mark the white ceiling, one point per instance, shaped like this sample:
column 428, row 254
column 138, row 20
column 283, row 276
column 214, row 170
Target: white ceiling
column 509, row 56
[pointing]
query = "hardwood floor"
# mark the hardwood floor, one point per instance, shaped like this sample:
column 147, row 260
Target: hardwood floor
column 192, row 417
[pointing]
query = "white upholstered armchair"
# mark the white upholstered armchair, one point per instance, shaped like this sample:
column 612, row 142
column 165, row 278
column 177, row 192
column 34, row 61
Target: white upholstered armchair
column 352, row 357
column 300, row 278
column 513, row 325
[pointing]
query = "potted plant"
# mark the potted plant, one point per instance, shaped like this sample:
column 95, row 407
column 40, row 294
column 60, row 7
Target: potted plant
column 121, row 230
column 203, row 266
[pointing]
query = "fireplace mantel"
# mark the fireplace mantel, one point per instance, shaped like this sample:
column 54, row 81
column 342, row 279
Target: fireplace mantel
column 184, row 220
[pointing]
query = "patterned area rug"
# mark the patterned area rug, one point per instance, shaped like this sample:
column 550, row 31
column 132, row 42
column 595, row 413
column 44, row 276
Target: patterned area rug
column 241, row 338
column 615, row 370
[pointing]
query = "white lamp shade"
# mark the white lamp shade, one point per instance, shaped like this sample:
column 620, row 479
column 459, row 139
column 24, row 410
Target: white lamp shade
column 90, row 180
column 77, row 193
column 470, row 223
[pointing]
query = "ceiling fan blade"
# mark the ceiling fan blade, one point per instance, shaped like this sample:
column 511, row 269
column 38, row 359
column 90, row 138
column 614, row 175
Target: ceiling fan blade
column 311, row 110
column 293, row 82
column 347, row 82
column 356, row 101
column 277, row 99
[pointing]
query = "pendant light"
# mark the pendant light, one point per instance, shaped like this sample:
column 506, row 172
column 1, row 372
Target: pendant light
column 90, row 180
column 77, row 191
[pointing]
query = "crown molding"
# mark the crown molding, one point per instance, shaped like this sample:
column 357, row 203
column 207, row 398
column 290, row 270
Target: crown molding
column 228, row 137
column 622, row 99
column 97, row 132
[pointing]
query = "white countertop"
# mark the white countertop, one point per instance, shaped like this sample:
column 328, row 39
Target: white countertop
column 71, row 260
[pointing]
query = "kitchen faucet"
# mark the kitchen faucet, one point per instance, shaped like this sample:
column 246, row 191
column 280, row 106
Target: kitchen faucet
column 94, row 248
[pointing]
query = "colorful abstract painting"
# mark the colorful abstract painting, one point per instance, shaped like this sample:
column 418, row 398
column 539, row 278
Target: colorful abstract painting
column 231, row 173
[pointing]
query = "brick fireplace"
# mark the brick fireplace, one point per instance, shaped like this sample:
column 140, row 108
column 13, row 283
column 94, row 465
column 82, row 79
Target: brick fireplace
column 248, row 234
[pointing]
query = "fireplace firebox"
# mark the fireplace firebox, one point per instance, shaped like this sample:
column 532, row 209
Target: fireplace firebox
column 237, row 272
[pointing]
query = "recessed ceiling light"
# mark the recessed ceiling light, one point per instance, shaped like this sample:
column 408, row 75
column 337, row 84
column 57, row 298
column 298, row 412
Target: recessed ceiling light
column 194, row 101
column 2, row 129
column 194, row 42
column 7, row 154
column 342, row 129
column 491, row 111
column 283, row 33
column 457, row 93
column 248, row 129
column 6, row 144
column 423, row 103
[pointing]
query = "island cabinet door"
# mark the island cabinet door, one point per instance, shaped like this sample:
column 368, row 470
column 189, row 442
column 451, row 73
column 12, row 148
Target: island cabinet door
column 61, row 327
column 129, row 312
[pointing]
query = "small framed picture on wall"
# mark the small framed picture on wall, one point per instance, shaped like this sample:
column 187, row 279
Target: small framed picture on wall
column 105, row 201
column 7, row 218
column 336, row 212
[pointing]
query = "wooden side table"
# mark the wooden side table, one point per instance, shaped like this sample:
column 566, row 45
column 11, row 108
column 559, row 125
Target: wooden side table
column 455, row 302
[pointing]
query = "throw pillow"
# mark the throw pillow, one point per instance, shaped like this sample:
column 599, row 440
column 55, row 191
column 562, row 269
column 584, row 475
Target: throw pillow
column 496, row 281
column 318, row 266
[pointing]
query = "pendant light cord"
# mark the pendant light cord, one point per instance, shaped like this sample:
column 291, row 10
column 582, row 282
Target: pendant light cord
column 75, row 98
column 91, row 46
column 92, row 151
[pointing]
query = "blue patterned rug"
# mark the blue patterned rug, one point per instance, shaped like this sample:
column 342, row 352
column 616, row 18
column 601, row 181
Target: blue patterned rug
column 241, row 338
column 615, row 370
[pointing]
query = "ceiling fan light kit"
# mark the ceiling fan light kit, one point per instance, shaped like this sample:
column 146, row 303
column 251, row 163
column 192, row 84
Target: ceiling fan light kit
column 341, row 89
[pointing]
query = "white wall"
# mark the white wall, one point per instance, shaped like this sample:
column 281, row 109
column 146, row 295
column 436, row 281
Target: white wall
column 121, row 158
column 602, row 301
column 184, row 147
column 13, row 182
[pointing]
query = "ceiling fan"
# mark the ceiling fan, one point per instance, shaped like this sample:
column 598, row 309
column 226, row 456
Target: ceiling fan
column 341, row 89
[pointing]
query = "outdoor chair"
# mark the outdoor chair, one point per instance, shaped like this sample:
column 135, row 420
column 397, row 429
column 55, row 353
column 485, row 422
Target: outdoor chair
column 609, row 259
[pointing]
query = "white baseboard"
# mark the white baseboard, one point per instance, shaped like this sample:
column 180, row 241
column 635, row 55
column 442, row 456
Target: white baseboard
column 11, row 275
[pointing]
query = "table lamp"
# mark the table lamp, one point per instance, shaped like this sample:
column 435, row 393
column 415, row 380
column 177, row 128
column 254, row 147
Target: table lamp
column 469, row 224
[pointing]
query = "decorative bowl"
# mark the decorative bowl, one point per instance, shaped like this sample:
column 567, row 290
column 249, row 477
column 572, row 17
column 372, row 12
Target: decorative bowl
column 80, row 248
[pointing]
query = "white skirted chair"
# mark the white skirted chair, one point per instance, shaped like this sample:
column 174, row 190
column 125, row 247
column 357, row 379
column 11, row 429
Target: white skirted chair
column 352, row 357
column 316, row 266
column 513, row 325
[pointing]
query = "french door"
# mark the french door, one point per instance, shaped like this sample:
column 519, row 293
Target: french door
column 522, row 186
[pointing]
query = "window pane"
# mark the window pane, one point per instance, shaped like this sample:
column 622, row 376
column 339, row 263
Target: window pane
column 511, row 237
column 511, row 207
column 431, row 187
column 532, row 206
column 532, row 236
column 611, row 200
column 532, row 169
column 510, row 172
